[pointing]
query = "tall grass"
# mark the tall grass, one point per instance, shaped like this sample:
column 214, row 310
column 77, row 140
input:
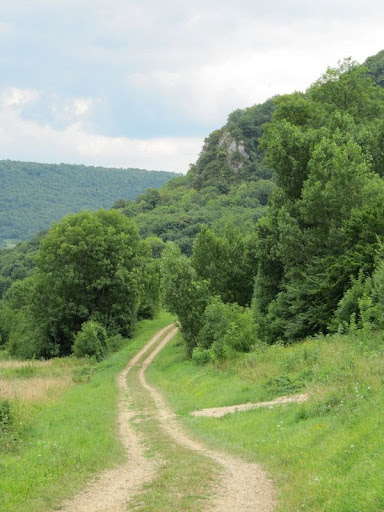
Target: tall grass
column 58, row 443
column 326, row 454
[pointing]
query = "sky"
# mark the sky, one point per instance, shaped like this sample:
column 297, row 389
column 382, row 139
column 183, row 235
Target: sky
column 128, row 83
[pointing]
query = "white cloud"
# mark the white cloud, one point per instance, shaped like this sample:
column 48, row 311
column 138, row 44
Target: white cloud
column 22, row 139
column 71, row 110
column 14, row 97
column 254, row 61
column 81, row 106
column 166, row 67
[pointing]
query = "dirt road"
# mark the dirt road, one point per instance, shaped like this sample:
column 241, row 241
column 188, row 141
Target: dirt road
column 242, row 487
column 219, row 412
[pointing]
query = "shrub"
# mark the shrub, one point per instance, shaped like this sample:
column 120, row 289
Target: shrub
column 28, row 339
column 349, row 307
column 378, row 294
column 91, row 340
column 115, row 343
column 227, row 329
column 201, row 356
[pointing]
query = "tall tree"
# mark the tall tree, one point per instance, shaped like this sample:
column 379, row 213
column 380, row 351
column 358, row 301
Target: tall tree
column 183, row 294
column 228, row 263
column 322, row 145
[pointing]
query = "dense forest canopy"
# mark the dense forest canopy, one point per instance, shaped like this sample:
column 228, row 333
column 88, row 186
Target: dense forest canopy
column 33, row 195
column 324, row 223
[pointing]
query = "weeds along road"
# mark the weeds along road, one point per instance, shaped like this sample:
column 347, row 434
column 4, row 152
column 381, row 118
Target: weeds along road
column 166, row 469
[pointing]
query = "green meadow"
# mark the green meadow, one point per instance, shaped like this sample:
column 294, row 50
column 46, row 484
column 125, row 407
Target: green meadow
column 325, row 454
column 58, row 424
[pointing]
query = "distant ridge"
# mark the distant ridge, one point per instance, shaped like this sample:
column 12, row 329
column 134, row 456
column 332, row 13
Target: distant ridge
column 33, row 195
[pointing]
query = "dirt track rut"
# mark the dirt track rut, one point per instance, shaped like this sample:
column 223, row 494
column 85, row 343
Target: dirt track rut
column 242, row 487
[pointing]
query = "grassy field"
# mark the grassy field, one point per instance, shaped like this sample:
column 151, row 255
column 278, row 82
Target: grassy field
column 324, row 455
column 58, row 424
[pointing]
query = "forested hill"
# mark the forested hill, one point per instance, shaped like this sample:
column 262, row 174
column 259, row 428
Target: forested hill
column 231, row 181
column 33, row 195
column 229, row 184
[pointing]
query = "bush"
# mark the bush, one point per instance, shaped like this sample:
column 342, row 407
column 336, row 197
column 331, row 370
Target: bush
column 91, row 341
column 28, row 340
column 115, row 343
column 201, row 356
column 349, row 305
column 378, row 294
column 227, row 329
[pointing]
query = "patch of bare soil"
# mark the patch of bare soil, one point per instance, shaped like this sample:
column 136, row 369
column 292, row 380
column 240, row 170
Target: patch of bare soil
column 218, row 412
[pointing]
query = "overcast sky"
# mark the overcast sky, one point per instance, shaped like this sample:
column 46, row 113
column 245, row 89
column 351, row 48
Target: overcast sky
column 141, row 83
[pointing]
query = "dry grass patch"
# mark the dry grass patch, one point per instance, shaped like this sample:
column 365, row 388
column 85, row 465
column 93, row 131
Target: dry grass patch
column 10, row 363
column 34, row 389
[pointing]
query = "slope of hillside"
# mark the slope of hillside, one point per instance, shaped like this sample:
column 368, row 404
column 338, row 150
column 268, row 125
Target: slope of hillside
column 228, row 184
column 33, row 195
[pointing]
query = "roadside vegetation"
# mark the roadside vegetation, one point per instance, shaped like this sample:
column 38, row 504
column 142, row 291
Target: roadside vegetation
column 325, row 454
column 58, row 423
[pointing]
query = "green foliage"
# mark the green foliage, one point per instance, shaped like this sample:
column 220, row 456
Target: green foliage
column 228, row 263
column 305, row 265
column 90, row 267
column 283, row 385
column 91, row 341
column 374, row 310
column 149, row 277
column 228, row 184
column 226, row 329
column 33, row 195
column 201, row 356
column 233, row 154
column 24, row 334
column 115, row 343
column 6, row 417
column 375, row 65
column 8, row 432
column 325, row 219
column 349, row 304
column 89, row 261
column 181, row 211
column 183, row 294
column 83, row 374
column 18, row 262
column 348, row 88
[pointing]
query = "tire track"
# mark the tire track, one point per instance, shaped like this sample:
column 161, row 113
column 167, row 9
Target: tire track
column 113, row 489
column 244, row 485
